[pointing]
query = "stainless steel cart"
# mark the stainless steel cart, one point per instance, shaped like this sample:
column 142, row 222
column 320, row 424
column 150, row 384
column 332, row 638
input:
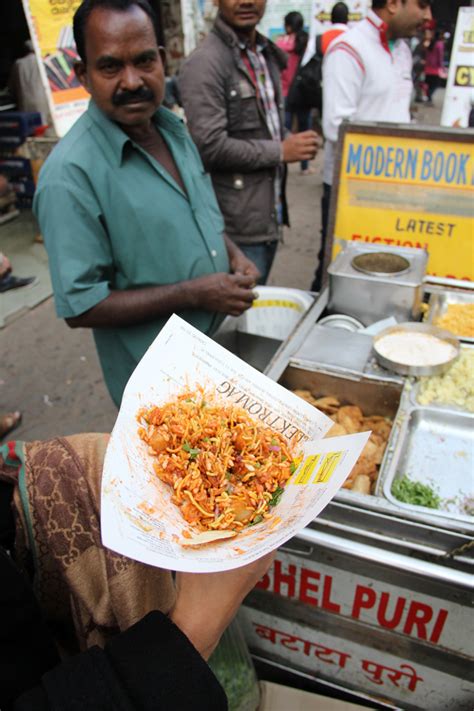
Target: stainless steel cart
column 372, row 597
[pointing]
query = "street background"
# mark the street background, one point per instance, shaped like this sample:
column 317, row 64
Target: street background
column 51, row 373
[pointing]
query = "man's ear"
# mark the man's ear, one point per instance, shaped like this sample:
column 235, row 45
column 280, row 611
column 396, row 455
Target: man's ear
column 81, row 73
column 393, row 6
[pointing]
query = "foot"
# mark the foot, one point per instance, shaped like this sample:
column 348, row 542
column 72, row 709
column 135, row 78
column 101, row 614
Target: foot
column 8, row 422
column 308, row 171
column 12, row 282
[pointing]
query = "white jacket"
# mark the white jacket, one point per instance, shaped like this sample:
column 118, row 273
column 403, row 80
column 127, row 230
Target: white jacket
column 364, row 79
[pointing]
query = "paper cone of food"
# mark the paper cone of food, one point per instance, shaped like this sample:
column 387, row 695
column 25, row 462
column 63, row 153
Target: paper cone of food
column 211, row 464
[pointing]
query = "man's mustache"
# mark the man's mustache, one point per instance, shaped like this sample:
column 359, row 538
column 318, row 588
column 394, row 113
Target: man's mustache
column 128, row 97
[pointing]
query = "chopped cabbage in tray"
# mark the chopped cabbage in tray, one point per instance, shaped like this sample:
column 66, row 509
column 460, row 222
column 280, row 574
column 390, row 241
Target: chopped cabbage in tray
column 454, row 387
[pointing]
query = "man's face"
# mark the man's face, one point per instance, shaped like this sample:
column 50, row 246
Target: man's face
column 408, row 17
column 242, row 15
column 124, row 65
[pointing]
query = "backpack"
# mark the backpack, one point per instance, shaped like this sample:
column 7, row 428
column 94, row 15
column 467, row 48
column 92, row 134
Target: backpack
column 306, row 88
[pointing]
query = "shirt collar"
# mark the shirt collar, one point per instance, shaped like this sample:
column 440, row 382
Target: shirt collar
column 118, row 139
column 381, row 27
column 259, row 46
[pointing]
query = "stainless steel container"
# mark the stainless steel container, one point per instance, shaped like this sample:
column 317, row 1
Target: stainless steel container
column 372, row 296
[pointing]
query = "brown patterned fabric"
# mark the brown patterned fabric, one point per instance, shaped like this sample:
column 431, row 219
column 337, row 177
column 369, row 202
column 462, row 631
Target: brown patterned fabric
column 86, row 591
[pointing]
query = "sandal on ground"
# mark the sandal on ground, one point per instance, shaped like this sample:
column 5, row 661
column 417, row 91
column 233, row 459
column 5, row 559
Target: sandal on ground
column 12, row 282
column 8, row 422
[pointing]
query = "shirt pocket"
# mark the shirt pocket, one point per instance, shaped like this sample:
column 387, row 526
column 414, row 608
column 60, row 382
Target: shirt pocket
column 242, row 107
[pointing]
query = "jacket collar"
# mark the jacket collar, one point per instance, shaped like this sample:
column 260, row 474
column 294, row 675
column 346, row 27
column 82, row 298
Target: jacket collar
column 380, row 27
column 117, row 139
column 229, row 36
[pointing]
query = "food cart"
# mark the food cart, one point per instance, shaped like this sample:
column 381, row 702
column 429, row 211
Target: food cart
column 374, row 598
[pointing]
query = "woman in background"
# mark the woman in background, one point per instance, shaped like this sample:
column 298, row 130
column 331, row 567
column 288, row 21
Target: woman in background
column 294, row 44
column 434, row 61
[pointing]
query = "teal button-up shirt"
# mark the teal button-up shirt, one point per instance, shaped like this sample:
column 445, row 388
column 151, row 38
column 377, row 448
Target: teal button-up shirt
column 113, row 218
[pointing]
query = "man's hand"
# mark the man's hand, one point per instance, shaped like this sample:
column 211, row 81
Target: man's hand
column 239, row 263
column 226, row 293
column 300, row 146
column 207, row 602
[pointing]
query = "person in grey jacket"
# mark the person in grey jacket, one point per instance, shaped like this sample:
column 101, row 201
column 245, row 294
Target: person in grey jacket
column 231, row 93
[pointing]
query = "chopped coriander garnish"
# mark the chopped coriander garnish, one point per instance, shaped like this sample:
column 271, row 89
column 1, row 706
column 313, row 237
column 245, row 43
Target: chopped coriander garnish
column 274, row 442
column 414, row 492
column 190, row 450
column 257, row 519
column 276, row 496
column 293, row 467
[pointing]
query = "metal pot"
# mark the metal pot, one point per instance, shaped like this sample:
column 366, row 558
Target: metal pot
column 374, row 294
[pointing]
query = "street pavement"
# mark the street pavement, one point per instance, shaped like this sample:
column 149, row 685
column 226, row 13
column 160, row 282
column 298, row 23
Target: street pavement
column 51, row 373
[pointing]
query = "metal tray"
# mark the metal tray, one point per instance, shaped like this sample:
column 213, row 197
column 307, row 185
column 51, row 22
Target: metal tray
column 414, row 385
column 439, row 302
column 434, row 447
column 374, row 397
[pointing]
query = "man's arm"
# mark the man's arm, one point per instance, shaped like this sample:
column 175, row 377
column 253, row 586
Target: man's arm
column 202, row 91
column 82, row 269
column 222, row 293
column 343, row 76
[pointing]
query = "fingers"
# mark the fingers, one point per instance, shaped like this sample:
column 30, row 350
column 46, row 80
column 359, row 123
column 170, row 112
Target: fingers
column 245, row 281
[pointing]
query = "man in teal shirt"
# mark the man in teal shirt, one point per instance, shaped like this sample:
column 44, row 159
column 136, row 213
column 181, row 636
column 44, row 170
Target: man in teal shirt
column 129, row 217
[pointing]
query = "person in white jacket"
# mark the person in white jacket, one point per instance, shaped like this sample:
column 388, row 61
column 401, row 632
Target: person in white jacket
column 367, row 77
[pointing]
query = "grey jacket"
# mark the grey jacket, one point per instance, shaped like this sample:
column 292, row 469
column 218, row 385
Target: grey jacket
column 227, row 122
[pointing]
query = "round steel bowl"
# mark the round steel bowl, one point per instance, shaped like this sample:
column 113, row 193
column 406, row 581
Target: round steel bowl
column 381, row 264
column 425, row 328
column 341, row 321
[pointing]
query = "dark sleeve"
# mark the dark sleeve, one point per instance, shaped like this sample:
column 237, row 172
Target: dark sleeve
column 152, row 667
column 27, row 649
column 203, row 95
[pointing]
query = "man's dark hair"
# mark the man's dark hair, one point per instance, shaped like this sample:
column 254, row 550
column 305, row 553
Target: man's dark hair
column 295, row 22
column 83, row 11
column 340, row 13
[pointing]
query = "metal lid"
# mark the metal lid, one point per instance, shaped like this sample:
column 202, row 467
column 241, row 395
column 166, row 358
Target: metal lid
column 381, row 263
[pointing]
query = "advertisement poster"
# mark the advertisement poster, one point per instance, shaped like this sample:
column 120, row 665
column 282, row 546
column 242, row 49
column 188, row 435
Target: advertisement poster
column 50, row 25
column 459, row 96
column 408, row 188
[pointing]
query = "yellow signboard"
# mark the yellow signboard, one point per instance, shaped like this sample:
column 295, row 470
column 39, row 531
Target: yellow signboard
column 50, row 23
column 405, row 189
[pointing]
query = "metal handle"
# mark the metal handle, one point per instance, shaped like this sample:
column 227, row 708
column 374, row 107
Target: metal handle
column 385, row 557
column 305, row 551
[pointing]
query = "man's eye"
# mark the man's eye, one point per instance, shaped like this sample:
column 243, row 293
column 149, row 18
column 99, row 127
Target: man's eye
column 110, row 68
column 146, row 62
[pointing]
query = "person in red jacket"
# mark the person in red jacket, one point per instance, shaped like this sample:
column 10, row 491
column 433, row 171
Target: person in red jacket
column 434, row 60
column 294, row 44
column 339, row 19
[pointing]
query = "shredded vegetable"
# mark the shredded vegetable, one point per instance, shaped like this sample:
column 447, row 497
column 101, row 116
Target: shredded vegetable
column 226, row 469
